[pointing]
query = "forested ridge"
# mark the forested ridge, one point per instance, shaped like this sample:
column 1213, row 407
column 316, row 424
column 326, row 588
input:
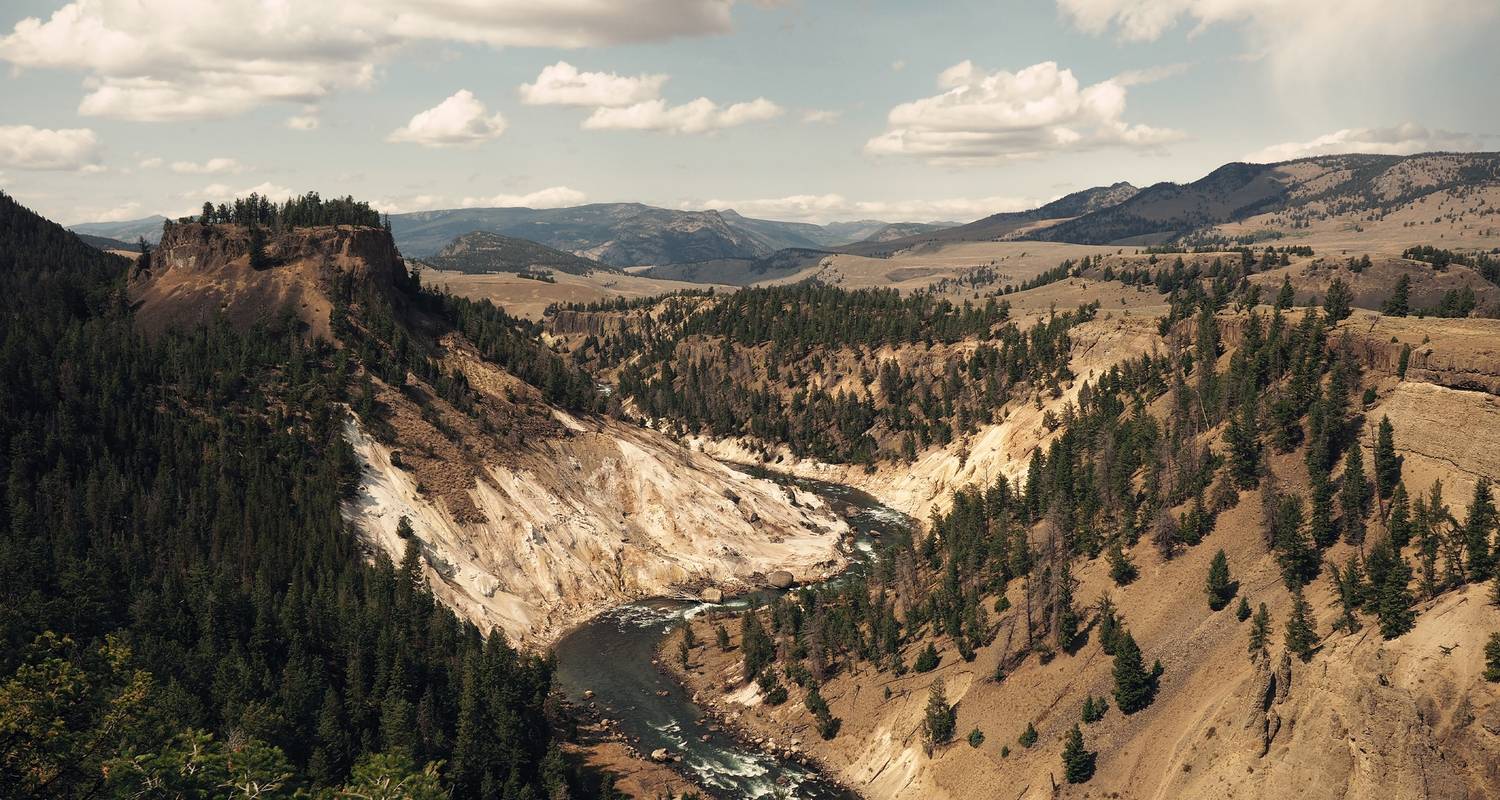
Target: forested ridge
column 183, row 610
column 757, row 363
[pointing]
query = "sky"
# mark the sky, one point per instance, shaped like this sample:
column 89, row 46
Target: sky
column 808, row 110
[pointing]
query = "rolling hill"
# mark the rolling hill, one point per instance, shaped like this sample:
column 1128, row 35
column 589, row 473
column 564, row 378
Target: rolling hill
column 1301, row 191
column 131, row 230
column 481, row 251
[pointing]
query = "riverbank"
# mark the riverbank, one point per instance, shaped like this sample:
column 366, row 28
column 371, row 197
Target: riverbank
column 712, row 679
column 611, row 670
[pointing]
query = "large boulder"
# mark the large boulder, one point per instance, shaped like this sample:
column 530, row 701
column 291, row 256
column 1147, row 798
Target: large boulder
column 781, row 579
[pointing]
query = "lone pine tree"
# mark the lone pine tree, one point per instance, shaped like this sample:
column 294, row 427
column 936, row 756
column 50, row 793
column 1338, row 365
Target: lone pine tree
column 1300, row 633
column 1219, row 588
column 1133, row 684
column 1078, row 762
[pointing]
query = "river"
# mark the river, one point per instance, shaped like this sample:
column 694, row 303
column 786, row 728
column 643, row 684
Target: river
column 612, row 656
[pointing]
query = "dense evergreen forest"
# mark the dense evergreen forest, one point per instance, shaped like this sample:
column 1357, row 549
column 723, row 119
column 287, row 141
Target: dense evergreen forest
column 183, row 611
column 306, row 211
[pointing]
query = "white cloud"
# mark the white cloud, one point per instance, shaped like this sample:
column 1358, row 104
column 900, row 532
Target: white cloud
column 151, row 163
column 697, row 116
column 153, row 60
column 822, row 208
column 402, row 205
column 64, row 149
column 213, row 166
column 461, row 119
column 1137, row 77
column 986, row 117
column 819, row 116
column 561, row 84
column 222, row 193
column 1401, row 140
column 551, row 197
column 120, row 213
column 303, row 122
column 1303, row 43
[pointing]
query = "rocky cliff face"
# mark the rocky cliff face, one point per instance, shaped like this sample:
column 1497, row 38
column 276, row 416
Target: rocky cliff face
column 201, row 271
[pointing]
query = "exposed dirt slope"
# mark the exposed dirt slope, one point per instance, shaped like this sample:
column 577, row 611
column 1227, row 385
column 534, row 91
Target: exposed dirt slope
column 199, row 272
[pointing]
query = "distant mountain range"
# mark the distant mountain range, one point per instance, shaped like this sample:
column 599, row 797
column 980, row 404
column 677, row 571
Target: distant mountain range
column 632, row 234
column 482, row 251
column 1309, row 187
column 130, row 231
column 628, row 234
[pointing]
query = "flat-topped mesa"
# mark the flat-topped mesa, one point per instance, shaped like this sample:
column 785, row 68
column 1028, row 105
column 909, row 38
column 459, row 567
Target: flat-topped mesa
column 201, row 271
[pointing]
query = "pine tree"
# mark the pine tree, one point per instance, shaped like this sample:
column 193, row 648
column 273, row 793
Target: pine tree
column 1337, row 303
column 927, row 660
column 1349, row 585
column 1109, row 624
column 1121, row 570
column 1387, row 464
column 1078, row 763
column 1287, row 297
column 1242, row 611
column 1219, row 588
column 1133, row 688
column 1066, row 615
column 1094, row 709
column 939, row 719
column 1492, row 659
column 1399, row 303
column 755, row 645
column 1301, row 636
column 1389, row 577
column 1354, row 496
column 1244, row 448
column 1028, row 736
column 1481, row 521
column 1260, row 630
column 1399, row 520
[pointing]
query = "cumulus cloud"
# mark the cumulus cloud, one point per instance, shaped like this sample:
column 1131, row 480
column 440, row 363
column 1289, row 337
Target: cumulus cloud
column 154, row 60
column 459, row 120
column 213, row 166
column 120, row 213
column 1303, row 42
column 1401, row 140
column 303, row 122
column 986, row 117
column 822, row 208
column 64, row 149
column 561, row 84
column 697, row 116
column 223, row 192
column 819, row 116
column 551, row 197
